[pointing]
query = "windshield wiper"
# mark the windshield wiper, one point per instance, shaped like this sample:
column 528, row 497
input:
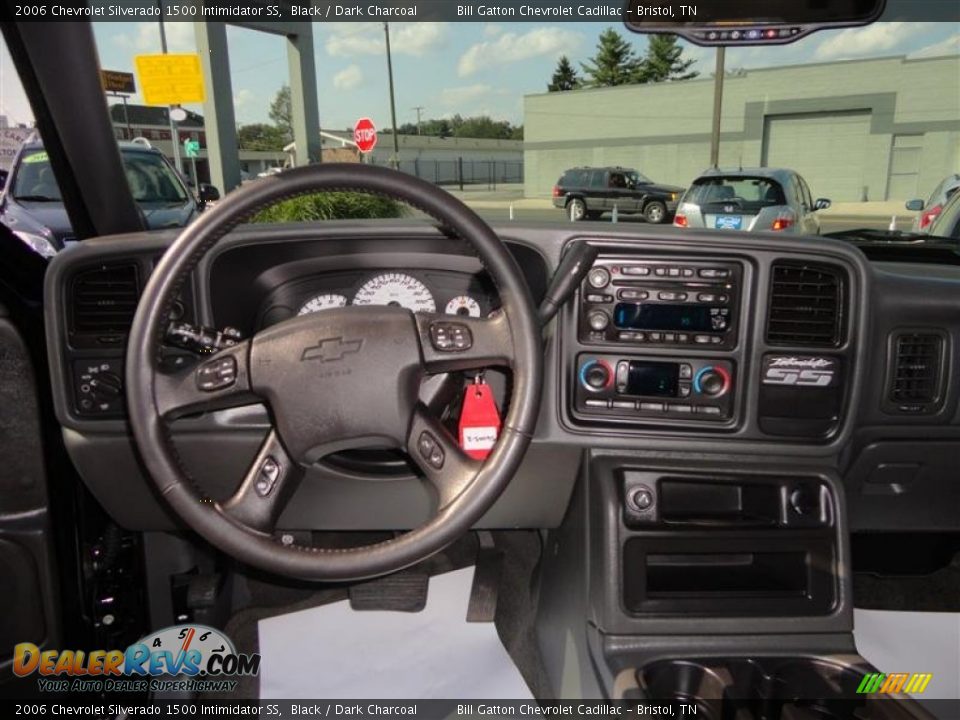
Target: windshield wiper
column 36, row 198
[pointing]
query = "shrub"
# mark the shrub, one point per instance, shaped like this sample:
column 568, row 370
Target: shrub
column 331, row 206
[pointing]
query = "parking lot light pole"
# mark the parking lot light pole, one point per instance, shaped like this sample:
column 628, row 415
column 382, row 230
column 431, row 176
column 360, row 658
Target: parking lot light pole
column 395, row 160
column 717, row 107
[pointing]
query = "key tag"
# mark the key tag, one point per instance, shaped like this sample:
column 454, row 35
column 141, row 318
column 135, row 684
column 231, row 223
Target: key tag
column 479, row 420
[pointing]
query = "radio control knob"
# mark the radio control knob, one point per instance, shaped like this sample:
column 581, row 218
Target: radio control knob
column 598, row 277
column 596, row 375
column 711, row 381
column 598, row 320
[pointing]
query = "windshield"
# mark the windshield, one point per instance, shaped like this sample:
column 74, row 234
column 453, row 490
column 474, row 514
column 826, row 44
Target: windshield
column 545, row 121
column 151, row 179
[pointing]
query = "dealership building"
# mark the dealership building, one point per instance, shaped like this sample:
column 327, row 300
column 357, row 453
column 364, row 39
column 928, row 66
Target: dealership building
column 860, row 130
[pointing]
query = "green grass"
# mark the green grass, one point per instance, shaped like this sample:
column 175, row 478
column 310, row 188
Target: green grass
column 331, row 206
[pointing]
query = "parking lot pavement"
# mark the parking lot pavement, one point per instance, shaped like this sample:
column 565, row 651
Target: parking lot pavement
column 829, row 222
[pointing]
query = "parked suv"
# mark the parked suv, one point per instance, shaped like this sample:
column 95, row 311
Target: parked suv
column 755, row 199
column 587, row 193
column 33, row 209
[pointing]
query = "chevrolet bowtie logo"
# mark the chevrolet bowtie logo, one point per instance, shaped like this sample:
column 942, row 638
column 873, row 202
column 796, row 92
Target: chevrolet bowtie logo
column 331, row 349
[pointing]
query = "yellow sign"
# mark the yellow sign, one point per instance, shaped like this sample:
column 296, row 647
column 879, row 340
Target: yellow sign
column 170, row 79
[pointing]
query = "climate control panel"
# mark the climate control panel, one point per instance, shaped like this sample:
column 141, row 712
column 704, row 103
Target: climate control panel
column 617, row 386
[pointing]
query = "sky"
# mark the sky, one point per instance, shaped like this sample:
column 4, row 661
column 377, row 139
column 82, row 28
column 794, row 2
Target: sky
column 447, row 68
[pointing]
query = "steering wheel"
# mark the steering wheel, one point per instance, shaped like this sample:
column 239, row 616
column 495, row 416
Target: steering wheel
column 342, row 378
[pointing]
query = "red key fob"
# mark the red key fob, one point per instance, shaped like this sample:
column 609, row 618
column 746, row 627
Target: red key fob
column 479, row 421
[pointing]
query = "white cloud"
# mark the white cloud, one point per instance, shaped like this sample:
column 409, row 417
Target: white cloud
column 870, row 40
column 180, row 37
column 458, row 96
column 492, row 29
column 947, row 46
column 512, row 47
column 348, row 78
column 349, row 39
column 242, row 97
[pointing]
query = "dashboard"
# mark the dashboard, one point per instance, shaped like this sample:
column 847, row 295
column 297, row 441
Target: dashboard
column 721, row 352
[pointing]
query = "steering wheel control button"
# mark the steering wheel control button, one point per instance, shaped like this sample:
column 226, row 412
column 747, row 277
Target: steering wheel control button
column 430, row 450
column 450, row 336
column 598, row 278
column 267, row 476
column 217, row 374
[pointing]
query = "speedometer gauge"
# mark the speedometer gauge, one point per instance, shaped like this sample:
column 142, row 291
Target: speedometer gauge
column 322, row 302
column 463, row 305
column 396, row 289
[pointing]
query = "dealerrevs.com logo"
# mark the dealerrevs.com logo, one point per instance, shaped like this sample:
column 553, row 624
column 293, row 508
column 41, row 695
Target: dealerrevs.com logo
column 180, row 657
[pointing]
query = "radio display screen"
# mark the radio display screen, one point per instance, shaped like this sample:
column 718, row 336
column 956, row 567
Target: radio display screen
column 692, row 318
column 653, row 379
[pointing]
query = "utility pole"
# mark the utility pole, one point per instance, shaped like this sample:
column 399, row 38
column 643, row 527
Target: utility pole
column 419, row 109
column 717, row 107
column 395, row 160
column 174, row 134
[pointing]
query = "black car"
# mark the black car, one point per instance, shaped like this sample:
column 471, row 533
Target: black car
column 588, row 192
column 32, row 207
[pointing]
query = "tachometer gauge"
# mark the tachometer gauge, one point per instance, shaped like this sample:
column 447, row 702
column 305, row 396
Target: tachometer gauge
column 322, row 302
column 396, row 289
column 463, row 305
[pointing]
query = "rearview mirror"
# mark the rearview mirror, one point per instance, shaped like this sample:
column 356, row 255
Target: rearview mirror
column 821, row 204
column 914, row 205
column 748, row 22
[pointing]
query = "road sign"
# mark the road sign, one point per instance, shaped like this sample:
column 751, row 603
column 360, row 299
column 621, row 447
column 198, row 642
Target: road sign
column 191, row 148
column 114, row 81
column 365, row 135
column 170, row 79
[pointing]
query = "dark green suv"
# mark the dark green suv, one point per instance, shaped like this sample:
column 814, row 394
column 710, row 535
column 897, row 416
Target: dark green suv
column 588, row 192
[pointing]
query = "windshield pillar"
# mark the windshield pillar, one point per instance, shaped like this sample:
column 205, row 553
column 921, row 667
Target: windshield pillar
column 221, row 127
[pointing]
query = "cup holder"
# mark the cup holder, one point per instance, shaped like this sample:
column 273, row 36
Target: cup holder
column 794, row 688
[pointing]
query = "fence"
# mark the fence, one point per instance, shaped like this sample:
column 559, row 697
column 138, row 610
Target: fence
column 459, row 171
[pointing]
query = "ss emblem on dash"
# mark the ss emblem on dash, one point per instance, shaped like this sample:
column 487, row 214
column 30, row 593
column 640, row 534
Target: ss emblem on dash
column 803, row 371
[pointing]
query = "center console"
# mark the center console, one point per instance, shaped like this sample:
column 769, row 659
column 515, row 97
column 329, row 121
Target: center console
column 659, row 339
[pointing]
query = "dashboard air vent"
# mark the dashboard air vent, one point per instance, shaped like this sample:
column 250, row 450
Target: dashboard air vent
column 915, row 375
column 806, row 305
column 104, row 299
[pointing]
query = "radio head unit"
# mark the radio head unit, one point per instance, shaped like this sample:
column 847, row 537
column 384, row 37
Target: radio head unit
column 660, row 302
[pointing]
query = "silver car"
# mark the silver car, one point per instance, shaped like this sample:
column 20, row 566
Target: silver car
column 946, row 189
column 754, row 199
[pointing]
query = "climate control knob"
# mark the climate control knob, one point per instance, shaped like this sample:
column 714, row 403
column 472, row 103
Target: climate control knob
column 596, row 375
column 711, row 381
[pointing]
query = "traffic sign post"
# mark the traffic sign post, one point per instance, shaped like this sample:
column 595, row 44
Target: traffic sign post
column 365, row 135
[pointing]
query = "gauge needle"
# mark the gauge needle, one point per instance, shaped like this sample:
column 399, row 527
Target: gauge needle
column 186, row 645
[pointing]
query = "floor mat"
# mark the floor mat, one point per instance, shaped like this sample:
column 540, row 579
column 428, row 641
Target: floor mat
column 333, row 651
column 913, row 642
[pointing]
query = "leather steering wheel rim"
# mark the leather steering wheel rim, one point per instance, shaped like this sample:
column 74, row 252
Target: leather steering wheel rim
column 243, row 527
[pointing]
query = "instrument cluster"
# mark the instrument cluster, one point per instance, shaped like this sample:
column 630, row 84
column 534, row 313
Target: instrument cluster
column 428, row 291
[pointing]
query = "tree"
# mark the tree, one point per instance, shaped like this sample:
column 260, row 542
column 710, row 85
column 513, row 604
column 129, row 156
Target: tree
column 614, row 63
column 261, row 136
column 281, row 111
column 564, row 77
column 663, row 61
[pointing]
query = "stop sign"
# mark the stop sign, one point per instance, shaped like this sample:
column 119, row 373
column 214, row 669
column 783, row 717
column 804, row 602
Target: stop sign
column 365, row 135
